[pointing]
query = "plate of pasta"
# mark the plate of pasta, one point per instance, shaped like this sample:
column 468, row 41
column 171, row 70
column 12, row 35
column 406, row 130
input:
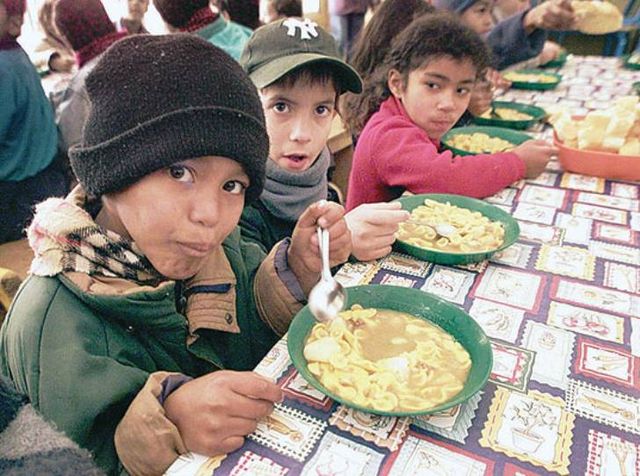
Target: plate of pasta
column 476, row 229
column 473, row 140
column 533, row 79
column 395, row 351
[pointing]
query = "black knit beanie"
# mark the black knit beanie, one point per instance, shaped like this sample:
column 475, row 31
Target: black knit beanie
column 157, row 100
column 177, row 13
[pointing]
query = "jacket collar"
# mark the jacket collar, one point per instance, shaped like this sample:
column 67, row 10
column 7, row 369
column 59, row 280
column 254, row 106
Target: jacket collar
column 208, row 299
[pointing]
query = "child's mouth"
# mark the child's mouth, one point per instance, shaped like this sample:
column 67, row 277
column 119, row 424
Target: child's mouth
column 296, row 158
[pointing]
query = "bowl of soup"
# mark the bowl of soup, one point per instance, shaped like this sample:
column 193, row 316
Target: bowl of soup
column 477, row 229
column 395, row 351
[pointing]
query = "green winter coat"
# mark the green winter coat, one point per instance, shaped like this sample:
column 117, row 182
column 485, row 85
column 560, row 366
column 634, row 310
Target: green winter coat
column 258, row 225
column 82, row 355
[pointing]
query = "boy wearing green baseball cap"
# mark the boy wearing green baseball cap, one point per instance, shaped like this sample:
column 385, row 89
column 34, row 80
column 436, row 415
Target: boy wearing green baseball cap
column 299, row 74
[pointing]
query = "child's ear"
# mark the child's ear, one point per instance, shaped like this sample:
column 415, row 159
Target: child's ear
column 395, row 83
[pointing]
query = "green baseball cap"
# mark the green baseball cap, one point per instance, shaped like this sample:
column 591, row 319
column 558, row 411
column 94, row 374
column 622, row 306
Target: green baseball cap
column 282, row 46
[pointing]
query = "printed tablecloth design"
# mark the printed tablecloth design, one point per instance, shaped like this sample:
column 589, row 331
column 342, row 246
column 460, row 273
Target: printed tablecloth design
column 562, row 309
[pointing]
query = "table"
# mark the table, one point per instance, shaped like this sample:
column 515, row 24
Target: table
column 562, row 309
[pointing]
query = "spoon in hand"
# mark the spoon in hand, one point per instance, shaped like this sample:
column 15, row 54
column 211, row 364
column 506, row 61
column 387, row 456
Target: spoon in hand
column 327, row 298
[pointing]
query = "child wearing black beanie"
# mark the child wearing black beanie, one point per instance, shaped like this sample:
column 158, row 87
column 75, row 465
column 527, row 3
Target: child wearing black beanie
column 141, row 320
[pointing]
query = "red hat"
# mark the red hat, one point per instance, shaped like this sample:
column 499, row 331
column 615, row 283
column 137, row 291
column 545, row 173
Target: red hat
column 82, row 21
column 15, row 7
column 177, row 13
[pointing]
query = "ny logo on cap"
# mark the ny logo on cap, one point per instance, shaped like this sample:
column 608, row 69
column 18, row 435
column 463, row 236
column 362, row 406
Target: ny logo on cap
column 307, row 28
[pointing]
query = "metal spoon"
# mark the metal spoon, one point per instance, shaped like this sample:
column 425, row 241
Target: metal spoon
column 327, row 298
column 442, row 229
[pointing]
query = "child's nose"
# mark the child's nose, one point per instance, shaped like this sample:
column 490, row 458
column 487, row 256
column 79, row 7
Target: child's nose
column 206, row 210
column 446, row 102
column 301, row 130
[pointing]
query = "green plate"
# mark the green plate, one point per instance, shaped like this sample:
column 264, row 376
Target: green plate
column 418, row 303
column 514, row 137
column 636, row 87
column 558, row 62
column 530, row 85
column 511, row 229
column 536, row 113
column 630, row 65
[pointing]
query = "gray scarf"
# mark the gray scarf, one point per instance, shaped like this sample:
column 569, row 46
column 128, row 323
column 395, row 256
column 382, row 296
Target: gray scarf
column 287, row 194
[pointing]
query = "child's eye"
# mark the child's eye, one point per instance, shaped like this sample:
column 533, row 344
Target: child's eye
column 463, row 91
column 432, row 85
column 323, row 110
column 180, row 173
column 280, row 107
column 235, row 187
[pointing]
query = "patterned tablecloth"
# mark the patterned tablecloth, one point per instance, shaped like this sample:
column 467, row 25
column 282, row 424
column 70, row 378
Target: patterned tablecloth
column 562, row 309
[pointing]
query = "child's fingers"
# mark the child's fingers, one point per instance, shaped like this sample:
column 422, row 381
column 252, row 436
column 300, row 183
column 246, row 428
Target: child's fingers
column 245, row 407
column 255, row 386
column 387, row 218
column 322, row 213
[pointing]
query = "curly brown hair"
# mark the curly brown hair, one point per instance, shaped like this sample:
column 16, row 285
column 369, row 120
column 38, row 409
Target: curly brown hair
column 426, row 38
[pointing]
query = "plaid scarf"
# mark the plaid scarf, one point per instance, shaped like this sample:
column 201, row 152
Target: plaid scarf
column 65, row 238
column 200, row 19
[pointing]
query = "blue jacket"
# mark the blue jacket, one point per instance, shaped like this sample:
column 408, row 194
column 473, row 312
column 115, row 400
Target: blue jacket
column 510, row 44
column 28, row 134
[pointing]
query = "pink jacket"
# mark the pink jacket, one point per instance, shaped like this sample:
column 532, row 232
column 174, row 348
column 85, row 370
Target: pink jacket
column 393, row 155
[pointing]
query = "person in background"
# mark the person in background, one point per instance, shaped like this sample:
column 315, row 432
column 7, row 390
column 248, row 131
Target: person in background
column 519, row 37
column 133, row 21
column 278, row 9
column 195, row 16
column 29, row 445
column 29, row 171
column 299, row 75
column 389, row 19
column 89, row 30
column 419, row 95
column 53, row 53
column 145, row 311
column 503, row 9
column 516, row 39
column 350, row 20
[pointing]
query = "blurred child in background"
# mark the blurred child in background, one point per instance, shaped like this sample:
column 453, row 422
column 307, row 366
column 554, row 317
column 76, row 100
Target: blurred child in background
column 53, row 53
column 504, row 9
column 89, row 30
column 29, row 172
column 133, row 21
column 278, row 9
column 196, row 16
column 419, row 95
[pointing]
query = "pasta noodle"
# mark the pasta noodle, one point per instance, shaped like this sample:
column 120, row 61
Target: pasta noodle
column 506, row 114
column 387, row 360
column 473, row 232
column 530, row 77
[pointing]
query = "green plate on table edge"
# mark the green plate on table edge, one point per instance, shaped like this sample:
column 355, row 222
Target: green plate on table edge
column 512, row 136
column 536, row 113
column 511, row 229
column 536, row 86
column 626, row 64
column 449, row 317
column 558, row 62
